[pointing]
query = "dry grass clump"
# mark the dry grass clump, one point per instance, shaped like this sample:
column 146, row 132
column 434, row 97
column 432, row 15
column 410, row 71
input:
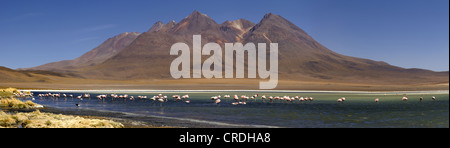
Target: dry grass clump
column 48, row 120
column 17, row 104
column 8, row 92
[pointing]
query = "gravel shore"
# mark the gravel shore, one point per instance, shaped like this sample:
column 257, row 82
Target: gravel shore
column 137, row 121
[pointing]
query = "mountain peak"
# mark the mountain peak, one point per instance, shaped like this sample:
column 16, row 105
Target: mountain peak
column 172, row 22
column 271, row 16
column 197, row 13
column 268, row 15
column 195, row 23
column 271, row 20
column 156, row 27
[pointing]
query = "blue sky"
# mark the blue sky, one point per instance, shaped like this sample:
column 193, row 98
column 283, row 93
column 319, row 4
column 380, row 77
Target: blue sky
column 405, row 33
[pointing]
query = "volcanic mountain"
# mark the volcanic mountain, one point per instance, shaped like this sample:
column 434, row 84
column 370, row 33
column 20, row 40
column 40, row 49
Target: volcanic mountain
column 301, row 58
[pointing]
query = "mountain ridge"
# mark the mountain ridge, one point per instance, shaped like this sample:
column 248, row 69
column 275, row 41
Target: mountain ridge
column 301, row 58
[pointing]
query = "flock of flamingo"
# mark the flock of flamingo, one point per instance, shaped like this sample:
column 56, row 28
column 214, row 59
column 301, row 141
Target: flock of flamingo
column 238, row 100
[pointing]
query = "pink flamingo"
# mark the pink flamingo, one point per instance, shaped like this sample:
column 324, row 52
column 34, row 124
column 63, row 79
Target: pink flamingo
column 263, row 98
column 405, row 99
column 186, row 97
column 376, row 100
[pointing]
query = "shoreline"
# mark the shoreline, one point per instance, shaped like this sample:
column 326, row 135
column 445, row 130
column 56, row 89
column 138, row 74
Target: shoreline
column 207, row 91
column 117, row 117
column 131, row 120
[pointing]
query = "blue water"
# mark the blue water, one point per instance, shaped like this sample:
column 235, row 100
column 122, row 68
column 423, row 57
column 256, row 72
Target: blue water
column 359, row 110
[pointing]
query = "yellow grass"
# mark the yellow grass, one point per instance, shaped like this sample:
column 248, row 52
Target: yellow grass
column 8, row 92
column 17, row 104
column 37, row 119
column 48, row 120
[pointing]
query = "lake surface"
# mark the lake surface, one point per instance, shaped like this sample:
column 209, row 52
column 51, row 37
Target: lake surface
column 359, row 110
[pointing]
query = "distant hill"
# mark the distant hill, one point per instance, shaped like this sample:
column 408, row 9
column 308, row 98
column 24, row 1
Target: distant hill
column 9, row 75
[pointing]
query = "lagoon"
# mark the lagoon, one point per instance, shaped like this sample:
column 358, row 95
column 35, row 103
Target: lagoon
column 358, row 111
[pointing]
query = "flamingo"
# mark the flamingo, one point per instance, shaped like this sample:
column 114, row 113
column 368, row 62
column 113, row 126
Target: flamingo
column 339, row 100
column 87, row 95
column 276, row 98
column 226, row 96
column 114, row 96
column 243, row 97
column 255, row 96
column 178, row 98
column 175, row 97
column 186, row 98
column 217, row 101
column 161, row 100
column 405, row 99
column 433, row 98
column 376, row 100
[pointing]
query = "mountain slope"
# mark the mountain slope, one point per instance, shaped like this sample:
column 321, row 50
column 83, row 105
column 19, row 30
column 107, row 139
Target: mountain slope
column 106, row 50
